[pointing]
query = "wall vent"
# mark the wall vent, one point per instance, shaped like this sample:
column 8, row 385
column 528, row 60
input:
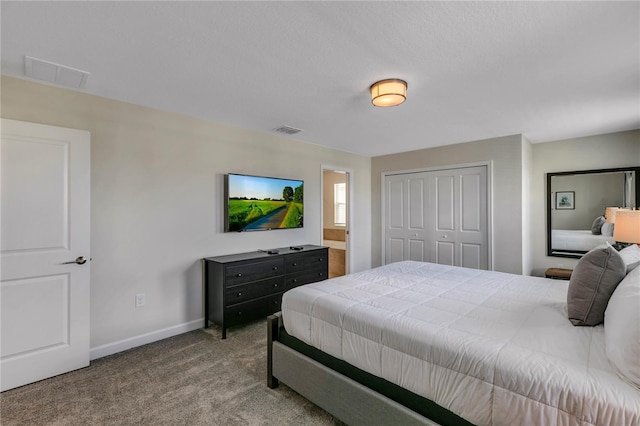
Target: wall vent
column 55, row 73
column 287, row 129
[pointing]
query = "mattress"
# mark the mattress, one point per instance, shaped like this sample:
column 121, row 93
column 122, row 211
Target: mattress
column 494, row 348
column 576, row 240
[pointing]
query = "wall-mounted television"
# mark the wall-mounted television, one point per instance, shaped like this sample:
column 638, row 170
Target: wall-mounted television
column 258, row 203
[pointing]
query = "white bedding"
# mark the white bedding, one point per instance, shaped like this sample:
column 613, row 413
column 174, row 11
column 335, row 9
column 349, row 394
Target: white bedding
column 576, row 240
column 494, row 348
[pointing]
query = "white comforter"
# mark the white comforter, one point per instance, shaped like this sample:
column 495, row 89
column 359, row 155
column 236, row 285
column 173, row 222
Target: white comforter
column 494, row 348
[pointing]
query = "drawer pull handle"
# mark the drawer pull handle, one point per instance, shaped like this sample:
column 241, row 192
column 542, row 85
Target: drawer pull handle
column 239, row 275
column 275, row 286
column 239, row 313
column 275, row 302
column 320, row 274
column 294, row 264
column 320, row 259
column 295, row 280
column 275, row 268
column 239, row 293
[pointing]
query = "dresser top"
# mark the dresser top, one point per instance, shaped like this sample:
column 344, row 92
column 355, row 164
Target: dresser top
column 262, row 254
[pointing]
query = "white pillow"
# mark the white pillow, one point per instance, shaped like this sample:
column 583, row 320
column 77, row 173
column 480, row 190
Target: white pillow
column 607, row 230
column 622, row 328
column 631, row 256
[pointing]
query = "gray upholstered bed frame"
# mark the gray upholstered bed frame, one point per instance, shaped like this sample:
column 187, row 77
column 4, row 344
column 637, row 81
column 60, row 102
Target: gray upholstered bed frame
column 343, row 393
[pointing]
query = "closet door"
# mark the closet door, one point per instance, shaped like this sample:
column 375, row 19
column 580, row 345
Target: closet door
column 458, row 217
column 406, row 217
column 437, row 216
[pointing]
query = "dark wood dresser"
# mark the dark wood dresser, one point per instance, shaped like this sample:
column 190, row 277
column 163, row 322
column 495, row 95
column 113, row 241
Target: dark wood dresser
column 246, row 286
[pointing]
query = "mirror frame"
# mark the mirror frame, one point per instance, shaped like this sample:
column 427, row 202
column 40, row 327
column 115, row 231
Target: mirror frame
column 578, row 255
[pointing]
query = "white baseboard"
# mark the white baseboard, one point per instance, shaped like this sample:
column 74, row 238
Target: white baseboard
column 143, row 339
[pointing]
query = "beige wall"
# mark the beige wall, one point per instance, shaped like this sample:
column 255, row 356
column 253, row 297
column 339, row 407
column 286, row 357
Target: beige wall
column 157, row 183
column 157, row 203
column 611, row 150
column 527, row 231
column 506, row 156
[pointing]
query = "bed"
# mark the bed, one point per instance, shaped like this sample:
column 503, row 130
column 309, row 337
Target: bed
column 421, row 343
column 572, row 240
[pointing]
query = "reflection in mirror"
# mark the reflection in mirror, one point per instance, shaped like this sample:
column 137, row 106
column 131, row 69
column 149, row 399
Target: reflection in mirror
column 576, row 205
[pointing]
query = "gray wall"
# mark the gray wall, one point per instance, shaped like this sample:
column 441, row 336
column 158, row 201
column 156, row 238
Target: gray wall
column 592, row 194
column 527, row 230
column 506, row 155
column 611, row 150
column 157, row 202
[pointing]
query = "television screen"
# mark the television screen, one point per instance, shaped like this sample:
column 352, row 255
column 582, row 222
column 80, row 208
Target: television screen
column 257, row 203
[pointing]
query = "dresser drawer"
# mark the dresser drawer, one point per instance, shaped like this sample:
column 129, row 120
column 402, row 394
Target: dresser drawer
column 258, row 308
column 307, row 276
column 243, row 292
column 302, row 261
column 246, row 272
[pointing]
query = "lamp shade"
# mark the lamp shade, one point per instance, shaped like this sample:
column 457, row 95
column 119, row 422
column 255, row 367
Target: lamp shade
column 627, row 229
column 610, row 213
column 388, row 93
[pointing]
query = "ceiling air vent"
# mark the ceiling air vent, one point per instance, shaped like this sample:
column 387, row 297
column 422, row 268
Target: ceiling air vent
column 288, row 130
column 55, row 73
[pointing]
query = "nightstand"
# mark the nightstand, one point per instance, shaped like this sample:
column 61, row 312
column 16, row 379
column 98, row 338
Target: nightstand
column 558, row 273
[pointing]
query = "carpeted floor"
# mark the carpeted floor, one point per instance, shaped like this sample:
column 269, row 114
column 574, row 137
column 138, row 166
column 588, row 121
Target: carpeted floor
column 191, row 379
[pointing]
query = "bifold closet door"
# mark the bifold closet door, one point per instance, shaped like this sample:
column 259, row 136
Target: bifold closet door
column 406, row 218
column 458, row 213
column 437, row 216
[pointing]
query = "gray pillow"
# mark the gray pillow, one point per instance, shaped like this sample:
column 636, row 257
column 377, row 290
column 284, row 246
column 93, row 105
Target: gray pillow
column 592, row 283
column 597, row 225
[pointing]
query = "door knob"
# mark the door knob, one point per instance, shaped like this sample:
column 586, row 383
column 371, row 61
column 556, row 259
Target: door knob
column 80, row 260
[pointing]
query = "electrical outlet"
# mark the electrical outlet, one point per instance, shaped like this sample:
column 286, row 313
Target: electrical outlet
column 140, row 300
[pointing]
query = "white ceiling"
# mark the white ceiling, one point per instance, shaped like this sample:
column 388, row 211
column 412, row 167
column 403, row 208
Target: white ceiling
column 549, row 70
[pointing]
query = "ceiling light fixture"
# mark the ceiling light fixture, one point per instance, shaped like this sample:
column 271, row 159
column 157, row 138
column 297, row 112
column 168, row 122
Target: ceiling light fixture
column 387, row 93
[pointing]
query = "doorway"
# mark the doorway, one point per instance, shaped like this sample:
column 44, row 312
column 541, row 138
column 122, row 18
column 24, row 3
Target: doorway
column 335, row 219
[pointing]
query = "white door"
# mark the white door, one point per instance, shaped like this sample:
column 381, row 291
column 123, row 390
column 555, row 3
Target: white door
column 438, row 216
column 458, row 210
column 406, row 206
column 45, row 217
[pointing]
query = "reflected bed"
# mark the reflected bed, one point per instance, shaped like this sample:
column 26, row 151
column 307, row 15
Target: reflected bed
column 580, row 241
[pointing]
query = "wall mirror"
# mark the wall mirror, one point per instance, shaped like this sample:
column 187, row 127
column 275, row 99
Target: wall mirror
column 575, row 199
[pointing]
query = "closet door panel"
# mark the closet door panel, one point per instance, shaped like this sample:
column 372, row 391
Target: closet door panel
column 396, row 204
column 395, row 250
column 417, row 250
column 416, row 203
column 470, row 202
column 444, row 202
column 471, row 256
column 445, row 253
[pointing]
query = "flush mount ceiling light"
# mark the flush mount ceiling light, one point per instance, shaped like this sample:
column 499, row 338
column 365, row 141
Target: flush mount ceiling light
column 387, row 93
